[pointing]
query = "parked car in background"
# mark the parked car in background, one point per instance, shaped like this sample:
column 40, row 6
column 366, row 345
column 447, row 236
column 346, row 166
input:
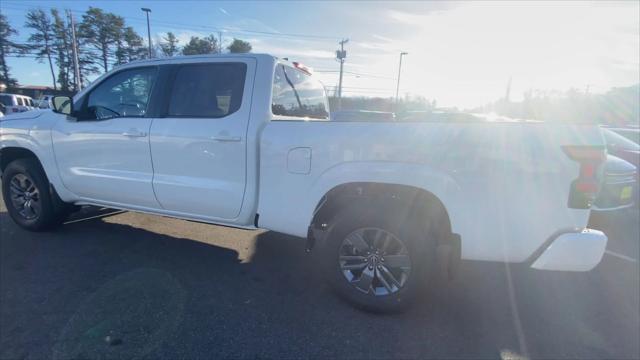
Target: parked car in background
column 619, row 186
column 44, row 102
column 631, row 133
column 621, row 175
column 14, row 103
column 620, row 146
column 439, row 116
column 362, row 115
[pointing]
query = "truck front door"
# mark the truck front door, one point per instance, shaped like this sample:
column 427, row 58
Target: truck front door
column 103, row 154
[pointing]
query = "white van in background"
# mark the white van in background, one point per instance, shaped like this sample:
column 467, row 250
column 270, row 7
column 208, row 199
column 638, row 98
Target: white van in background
column 16, row 103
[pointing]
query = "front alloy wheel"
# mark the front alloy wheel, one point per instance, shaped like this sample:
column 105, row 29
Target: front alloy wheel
column 28, row 196
column 25, row 196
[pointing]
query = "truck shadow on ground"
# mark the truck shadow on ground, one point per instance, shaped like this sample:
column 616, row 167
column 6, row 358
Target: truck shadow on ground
column 96, row 289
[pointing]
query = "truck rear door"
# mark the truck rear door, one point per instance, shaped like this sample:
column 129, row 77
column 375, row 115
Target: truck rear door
column 199, row 142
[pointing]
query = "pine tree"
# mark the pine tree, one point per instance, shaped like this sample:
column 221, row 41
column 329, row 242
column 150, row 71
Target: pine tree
column 197, row 46
column 170, row 45
column 7, row 48
column 62, row 48
column 239, row 46
column 101, row 32
column 41, row 40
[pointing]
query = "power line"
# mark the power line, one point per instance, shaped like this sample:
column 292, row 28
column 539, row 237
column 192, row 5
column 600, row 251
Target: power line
column 200, row 27
column 356, row 74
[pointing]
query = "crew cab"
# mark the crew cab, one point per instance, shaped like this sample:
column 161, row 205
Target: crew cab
column 245, row 140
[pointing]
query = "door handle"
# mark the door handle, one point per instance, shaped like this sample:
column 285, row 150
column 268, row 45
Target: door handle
column 134, row 133
column 224, row 138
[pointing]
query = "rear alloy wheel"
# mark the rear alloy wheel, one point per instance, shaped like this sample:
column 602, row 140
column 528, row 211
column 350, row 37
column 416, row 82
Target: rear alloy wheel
column 379, row 260
column 374, row 261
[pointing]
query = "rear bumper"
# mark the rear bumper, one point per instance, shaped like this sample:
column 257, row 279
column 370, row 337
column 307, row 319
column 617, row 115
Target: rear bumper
column 573, row 251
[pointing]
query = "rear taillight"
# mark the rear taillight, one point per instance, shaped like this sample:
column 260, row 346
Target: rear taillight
column 585, row 188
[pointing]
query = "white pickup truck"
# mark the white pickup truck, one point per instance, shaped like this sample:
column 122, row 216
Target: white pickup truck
column 246, row 141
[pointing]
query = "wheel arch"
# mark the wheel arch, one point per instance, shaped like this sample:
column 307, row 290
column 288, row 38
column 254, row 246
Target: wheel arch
column 420, row 200
column 12, row 153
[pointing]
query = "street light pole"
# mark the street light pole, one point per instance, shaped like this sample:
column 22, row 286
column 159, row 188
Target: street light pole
column 399, row 69
column 147, row 11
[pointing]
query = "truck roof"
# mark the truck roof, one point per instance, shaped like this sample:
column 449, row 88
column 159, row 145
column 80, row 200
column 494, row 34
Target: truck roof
column 204, row 56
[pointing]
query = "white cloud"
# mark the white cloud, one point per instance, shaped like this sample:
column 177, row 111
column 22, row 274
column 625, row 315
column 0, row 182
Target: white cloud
column 222, row 10
column 465, row 55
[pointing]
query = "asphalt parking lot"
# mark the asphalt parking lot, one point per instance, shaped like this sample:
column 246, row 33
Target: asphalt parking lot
column 126, row 285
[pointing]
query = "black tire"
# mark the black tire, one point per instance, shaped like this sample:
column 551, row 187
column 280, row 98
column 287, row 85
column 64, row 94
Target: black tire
column 415, row 234
column 50, row 212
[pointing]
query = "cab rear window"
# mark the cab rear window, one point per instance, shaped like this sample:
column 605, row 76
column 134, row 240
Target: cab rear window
column 297, row 95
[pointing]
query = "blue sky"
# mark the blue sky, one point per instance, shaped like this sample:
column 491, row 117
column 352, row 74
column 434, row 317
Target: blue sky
column 460, row 53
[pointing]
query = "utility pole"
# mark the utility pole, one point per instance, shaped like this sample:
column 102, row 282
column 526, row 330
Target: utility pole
column 507, row 95
column 399, row 69
column 74, row 50
column 341, row 55
column 219, row 42
column 147, row 11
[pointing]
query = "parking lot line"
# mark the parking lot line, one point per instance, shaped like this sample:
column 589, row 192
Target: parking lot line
column 620, row 256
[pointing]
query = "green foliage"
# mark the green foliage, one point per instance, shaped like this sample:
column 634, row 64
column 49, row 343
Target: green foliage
column 7, row 47
column 170, row 45
column 198, row 46
column 101, row 31
column 41, row 39
column 239, row 46
column 62, row 50
column 130, row 47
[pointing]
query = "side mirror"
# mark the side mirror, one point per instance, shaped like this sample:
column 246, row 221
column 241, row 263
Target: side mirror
column 62, row 105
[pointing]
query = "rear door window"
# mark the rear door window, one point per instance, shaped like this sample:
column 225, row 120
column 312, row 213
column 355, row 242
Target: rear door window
column 20, row 101
column 212, row 90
